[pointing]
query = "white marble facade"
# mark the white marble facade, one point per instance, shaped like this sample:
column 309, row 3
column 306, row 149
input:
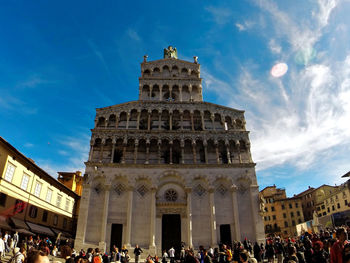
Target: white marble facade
column 169, row 153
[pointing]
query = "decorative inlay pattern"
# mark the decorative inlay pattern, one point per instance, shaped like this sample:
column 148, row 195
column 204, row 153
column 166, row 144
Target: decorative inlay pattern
column 222, row 190
column 199, row 190
column 119, row 189
column 142, row 190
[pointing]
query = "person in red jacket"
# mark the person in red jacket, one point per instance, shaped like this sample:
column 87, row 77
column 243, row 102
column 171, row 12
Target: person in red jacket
column 338, row 247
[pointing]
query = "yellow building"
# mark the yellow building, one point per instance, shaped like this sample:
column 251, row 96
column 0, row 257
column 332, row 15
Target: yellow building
column 30, row 199
column 281, row 214
column 73, row 180
column 337, row 201
column 313, row 196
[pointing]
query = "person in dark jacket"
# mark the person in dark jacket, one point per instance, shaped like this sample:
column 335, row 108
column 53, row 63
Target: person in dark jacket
column 257, row 252
column 319, row 255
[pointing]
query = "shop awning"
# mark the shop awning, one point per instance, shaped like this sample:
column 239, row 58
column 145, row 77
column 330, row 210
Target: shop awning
column 63, row 234
column 4, row 224
column 20, row 224
column 24, row 231
column 40, row 229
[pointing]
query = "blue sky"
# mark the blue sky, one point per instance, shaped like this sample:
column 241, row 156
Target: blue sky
column 62, row 59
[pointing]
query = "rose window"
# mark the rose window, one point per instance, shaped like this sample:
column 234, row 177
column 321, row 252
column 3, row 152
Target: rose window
column 171, row 195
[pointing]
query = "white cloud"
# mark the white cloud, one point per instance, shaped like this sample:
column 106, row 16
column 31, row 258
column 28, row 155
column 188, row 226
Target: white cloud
column 133, row 34
column 298, row 125
column 28, row 145
column 220, row 15
column 275, row 47
column 76, row 154
column 301, row 35
column 245, row 25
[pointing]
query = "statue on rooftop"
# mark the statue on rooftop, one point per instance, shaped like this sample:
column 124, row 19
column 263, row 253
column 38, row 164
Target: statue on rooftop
column 170, row 52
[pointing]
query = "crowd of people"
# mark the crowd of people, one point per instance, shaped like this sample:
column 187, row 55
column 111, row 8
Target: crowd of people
column 329, row 246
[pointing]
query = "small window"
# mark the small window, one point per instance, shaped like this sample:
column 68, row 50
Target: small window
column 64, row 222
column 283, row 207
column 291, row 214
column 44, row 219
column 3, row 198
column 346, row 202
column 284, row 215
column 338, row 205
column 273, row 217
column 67, row 205
column 55, row 220
column 328, row 210
column 296, row 205
column 298, row 213
column 37, row 189
column 25, row 181
column 333, row 208
column 285, row 223
column 58, row 201
column 272, row 208
column 10, row 172
column 293, row 223
column 48, row 195
column 323, row 207
column 33, row 211
column 290, row 206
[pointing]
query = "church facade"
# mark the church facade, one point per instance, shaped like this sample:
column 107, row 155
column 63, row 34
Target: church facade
column 169, row 168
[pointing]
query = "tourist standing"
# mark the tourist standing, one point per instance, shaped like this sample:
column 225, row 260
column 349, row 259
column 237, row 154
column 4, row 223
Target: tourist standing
column 338, row 246
column 137, row 252
column 164, row 257
column 2, row 247
column 172, row 254
column 257, row 252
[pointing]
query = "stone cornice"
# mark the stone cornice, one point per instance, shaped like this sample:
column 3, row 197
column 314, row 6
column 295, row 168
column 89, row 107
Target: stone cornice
column 143, row 104
column 172, row 166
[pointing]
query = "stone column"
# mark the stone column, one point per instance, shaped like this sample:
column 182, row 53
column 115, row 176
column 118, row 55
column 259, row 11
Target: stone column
column 228, row 156
column 135, row 151
column 171, row 152
column 202, row 119
column 235, row 213
column 83, row 216
column 182, row 145
column 101, row 150
column 192, row 124
column 127, row 120
column 180, row 92
column 194, row 152
column 106, row 123
column 138, row 120
column 149, row 121
column 160, row 93
column 147, row 152
column 124, row 152
column 239, row 152
column 152, row 243
column 102, row 243
column 160, row 121
column 212, row 218
column 113, row 149
column 205, row 144
column 249, row 153
column 189, row 216
column 181, row 121
column 129, row 218
column 170, row 121
column 91, row 151
column 254, row 205
column 159, row 152
column 217, row 153
column 116, row 122
column 212, row 117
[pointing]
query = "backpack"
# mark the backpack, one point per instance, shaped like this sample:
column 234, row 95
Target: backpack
column 96, row 259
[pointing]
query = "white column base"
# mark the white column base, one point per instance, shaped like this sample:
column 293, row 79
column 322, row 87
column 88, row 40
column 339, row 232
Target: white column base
column 102, row 246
